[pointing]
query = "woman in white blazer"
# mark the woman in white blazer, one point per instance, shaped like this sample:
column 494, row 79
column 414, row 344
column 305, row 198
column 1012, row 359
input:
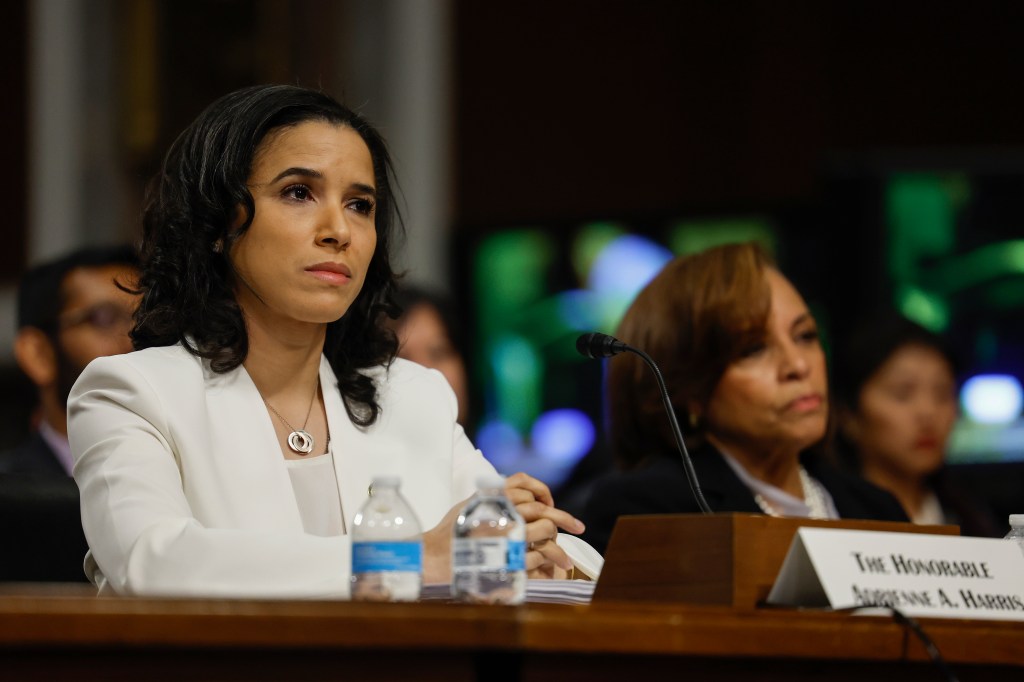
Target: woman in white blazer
column 228, row 455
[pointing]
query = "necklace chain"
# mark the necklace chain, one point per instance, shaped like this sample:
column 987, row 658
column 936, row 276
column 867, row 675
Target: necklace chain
column 813, row 498
column 299, row 440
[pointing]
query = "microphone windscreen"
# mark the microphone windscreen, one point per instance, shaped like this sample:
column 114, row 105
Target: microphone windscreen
column 596, row 345
column 583, row 344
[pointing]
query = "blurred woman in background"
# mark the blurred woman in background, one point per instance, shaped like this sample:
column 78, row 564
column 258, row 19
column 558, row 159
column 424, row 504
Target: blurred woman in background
column 895, row 388
column 746, row 374
column 428, row 334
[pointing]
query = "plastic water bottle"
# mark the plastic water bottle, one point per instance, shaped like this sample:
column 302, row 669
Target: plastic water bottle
column 489, row 548
column 1016, row 533
column 387, row 546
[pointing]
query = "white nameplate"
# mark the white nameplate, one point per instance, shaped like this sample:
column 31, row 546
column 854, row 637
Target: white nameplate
column 941, row 576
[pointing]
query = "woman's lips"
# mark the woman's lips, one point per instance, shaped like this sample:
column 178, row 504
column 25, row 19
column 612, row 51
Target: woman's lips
column 807, row 403
column 334, row 273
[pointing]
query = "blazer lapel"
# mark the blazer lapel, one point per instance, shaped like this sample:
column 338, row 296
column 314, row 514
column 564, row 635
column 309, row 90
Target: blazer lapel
column 351, row 446
column 722, row 489
column 244, row 446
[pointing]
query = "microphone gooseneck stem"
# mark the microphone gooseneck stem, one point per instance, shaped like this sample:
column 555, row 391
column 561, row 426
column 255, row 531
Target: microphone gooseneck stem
column 691, row 475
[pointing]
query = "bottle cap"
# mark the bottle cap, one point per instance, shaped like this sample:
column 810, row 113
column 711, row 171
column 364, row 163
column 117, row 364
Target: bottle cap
column 1016, row 520
column 490, row 481
column 386, row 482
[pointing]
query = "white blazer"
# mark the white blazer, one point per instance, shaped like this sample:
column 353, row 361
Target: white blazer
column 185, row 491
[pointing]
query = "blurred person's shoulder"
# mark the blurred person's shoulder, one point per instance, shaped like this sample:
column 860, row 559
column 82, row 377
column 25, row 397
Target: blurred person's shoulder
column 32, row 457
column 855, row 497
column 402, row 372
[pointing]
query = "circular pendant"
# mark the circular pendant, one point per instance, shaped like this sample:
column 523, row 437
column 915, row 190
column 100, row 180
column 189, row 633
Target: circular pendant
column 300, row 442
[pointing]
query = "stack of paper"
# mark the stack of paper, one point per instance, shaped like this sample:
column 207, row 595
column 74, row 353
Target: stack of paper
column 537, row 591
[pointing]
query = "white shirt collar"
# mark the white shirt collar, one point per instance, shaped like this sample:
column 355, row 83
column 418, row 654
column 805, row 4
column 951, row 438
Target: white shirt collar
column 779, row 500
column 60, row 446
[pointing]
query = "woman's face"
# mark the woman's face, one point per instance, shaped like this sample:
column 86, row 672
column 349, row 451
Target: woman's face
column 305, row 256
column 774, row 397
column 422, row 338
column 906, row 412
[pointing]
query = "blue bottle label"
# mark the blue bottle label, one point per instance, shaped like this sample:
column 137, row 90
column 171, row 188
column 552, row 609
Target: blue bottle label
column 489, row 554
column 376, row 557
column 516, row 555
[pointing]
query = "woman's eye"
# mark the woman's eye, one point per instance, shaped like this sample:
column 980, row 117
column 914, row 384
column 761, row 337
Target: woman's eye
column 901, row 392
column 297, row 192
column 808, row 335
column 362, row 206
column 944, row 394
column 752, row 350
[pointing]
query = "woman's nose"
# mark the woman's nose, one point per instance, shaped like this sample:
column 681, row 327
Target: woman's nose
column 333, row 228
column 794, row 361
column 928, row 409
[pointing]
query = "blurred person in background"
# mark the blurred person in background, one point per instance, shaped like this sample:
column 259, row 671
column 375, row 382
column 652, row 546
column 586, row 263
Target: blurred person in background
column 896, row 402
column 70, row 311
column 429, row 335
column 746, row 374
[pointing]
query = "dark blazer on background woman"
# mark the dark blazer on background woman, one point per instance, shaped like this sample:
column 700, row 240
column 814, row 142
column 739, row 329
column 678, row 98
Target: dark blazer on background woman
column 660, row 487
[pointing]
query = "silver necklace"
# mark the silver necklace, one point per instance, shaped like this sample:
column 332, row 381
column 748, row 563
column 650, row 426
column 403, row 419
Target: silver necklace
column 299, row 440
column 813, row 498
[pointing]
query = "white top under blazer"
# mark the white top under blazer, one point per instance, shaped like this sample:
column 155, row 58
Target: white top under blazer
column 185, row 491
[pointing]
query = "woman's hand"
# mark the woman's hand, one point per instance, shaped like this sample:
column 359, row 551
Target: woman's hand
column 544, row 558
column 437, row 548
column 533, row 501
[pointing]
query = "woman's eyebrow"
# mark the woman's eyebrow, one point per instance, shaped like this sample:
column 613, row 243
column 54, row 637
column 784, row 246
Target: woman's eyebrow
column 800, row 319
column 303, row 172
column 311, row 173
column 366, row 189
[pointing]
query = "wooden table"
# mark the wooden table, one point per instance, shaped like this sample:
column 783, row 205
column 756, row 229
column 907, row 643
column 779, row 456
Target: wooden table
column 62, row 632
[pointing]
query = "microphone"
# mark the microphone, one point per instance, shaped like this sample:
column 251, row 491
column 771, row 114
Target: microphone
column 596, row 345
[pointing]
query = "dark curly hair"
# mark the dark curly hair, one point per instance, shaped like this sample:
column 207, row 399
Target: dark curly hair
column 187, row 281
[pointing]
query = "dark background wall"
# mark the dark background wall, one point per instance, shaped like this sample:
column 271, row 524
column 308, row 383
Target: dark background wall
column 568, row 109
column 798, row 112
column 574, row 108
column 13, row 169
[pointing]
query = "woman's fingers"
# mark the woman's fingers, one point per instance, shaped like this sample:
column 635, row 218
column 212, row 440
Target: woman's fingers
column 540, row 531
column 437, row 547
column 542, row 548
column 547, row 553
column 533, row 500
column 519, row 496
column 548, row 572
column 534, row 511
column 524, row 482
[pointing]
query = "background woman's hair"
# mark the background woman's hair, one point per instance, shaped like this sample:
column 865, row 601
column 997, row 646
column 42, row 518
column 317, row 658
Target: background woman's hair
column 187, row 281
column 873, row 341
column 409, row 296
column 694, row 318
column 870, row 345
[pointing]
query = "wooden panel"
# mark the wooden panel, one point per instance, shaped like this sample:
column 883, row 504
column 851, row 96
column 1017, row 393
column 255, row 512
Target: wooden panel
column 169, row 664
column 727, row 559
column 35, row 620
column 709, row 630
column 553, row 668
column 59, row 633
